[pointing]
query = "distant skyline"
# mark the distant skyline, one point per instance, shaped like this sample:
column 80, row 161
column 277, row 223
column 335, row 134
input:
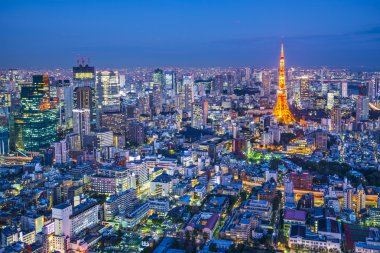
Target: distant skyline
column 189, row 33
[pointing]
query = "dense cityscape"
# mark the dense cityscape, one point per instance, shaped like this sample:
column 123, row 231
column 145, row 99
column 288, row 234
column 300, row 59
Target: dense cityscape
column 189, row 126
column 182, row 160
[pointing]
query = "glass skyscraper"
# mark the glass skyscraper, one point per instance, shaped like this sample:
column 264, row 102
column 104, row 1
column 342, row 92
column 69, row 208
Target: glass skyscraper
column 4, row 141
column 108, row 91
column 84, row 76
column 36, row 124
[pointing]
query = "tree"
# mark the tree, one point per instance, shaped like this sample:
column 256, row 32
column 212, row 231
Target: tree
column 274, row 163
column 212, row 247
column 187, row 235
column 205, row 236
column 243, row 195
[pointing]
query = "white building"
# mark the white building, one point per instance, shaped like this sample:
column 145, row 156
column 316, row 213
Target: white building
column 60, row 151
column 120, row 203
column 159, row 205
column 161, row 186
column 81, row 121
column 69, row 222
column 105, row 138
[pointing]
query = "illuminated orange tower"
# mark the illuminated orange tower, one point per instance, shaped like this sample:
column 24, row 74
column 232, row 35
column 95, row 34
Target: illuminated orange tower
column 281, row 110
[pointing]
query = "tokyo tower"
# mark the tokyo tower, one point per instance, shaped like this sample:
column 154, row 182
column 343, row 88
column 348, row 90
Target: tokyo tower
column 281, row 110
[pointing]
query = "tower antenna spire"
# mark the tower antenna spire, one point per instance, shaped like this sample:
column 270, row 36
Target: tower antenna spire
column 282, row 48
column 281, row 110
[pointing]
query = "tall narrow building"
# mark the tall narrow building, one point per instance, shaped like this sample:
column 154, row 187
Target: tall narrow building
column 362, row 108
column 84, row 98
column 199, row 114
column 304, row 91
column 107, row 92
column 360, row 198
column 81, row 122
column 336, row 119
column 281, row 110
column 158, row 77
column 188, row 85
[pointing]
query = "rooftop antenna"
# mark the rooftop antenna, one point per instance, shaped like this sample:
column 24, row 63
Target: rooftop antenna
column 82, row 61
column 88, row 61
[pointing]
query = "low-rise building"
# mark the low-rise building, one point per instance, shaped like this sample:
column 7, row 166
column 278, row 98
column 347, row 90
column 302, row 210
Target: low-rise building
column 204, row 223
column 301, row 238
column 159, row 205
column 261, row 208
column 161, row 185
column 238, row 227
column 372, row 243
column 120, row 203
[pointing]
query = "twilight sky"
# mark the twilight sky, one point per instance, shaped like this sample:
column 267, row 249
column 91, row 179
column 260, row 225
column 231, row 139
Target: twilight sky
column 157, row 33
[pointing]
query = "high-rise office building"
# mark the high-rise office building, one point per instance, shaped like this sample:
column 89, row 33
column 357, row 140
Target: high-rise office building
column 188, row 85
column 348, row 198
column 36, row 125
column 158, row 76
column 81, row 118
column 362, row 108
column 199, row 114
column 60, row 151
column 370, row 84
column 344, row 89
column 266, row 83
column 84, row 98
column 170, row 81
column 321, row 139
column 330, row 100
column 360, row 198
column 336, row 119
column 68, row 104
column 84, row 76
column 136, row 133
column 304, row 90
column 156, row 100
column 4, row 141
column 202, row 88
column 107, row 91
column 104, row 137
column 377, row 87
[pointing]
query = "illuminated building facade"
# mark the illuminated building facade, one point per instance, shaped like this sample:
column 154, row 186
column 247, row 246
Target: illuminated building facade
column 199, row 114
column 36, row 125
column 170, row 81
column 360, row 198
column 81, row 119
column 362, row 108
column 158, row 77
column 4, row 141
column 188, row 85
column 281, row 110
column 304, row 91
column 108, row 91
column 84, row 99
column 84, row 76
column 336, row 119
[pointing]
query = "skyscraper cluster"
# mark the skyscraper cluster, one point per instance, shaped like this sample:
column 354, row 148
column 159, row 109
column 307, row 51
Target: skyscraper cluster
column 189, row 159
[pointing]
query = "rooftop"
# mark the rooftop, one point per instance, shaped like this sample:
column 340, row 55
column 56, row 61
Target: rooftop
column 292, row 214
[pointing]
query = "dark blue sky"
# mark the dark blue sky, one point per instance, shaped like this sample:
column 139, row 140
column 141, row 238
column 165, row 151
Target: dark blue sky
column 128, row 33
